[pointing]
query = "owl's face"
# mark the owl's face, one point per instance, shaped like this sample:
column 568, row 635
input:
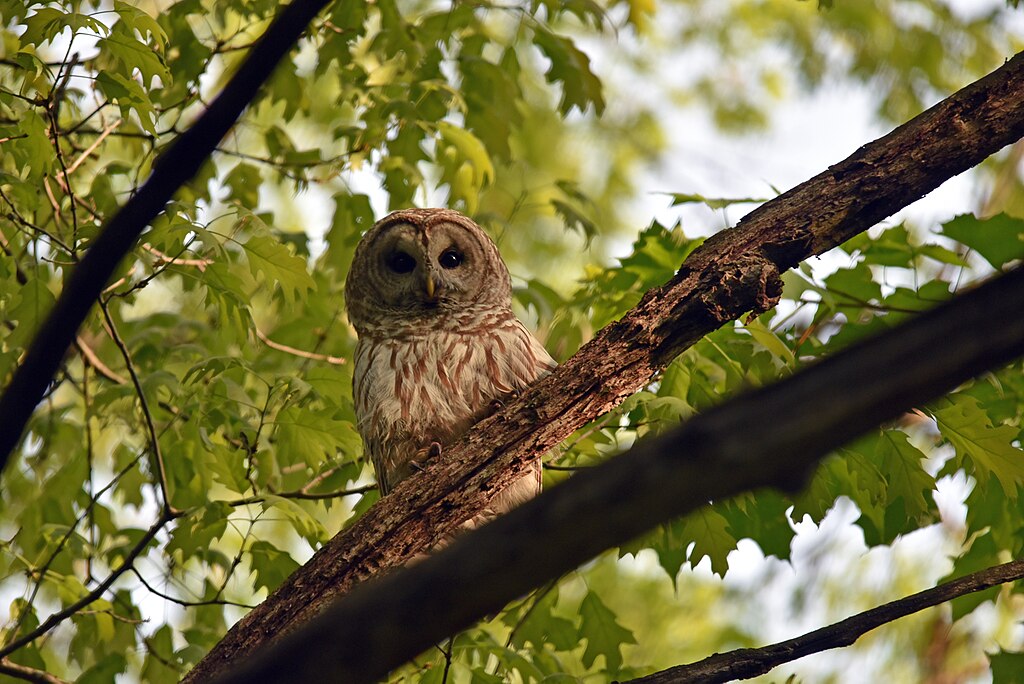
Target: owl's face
column 424, row 263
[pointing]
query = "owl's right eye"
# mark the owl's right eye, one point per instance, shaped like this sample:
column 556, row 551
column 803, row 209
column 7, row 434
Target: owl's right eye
column 400, row 262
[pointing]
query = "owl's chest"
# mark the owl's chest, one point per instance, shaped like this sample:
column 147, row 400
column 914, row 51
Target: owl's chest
column 434, row 385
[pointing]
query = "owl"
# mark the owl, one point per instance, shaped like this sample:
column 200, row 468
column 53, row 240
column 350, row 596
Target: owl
column 439, row 347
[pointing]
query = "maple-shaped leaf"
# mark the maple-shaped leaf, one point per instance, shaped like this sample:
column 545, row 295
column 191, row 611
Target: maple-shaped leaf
column 709, row 532
column 990, row 448
column 311, row 436
column 999, row 239
column 570, row 66
column 271, row 565
column 901, row 465
column 605, row 636
column 273, row 259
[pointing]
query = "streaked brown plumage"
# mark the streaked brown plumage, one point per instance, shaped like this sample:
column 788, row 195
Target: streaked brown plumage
column 438, row 345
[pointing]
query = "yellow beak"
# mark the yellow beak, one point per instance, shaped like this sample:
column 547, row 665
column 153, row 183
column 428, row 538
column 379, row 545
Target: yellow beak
column 430, row 287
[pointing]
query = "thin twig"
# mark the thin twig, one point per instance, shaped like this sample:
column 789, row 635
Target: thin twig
column 92, row 148
column 447, row 651
column 336, row 360
column 96, row 363
column 201, row 264
column 300, row 494
column 750, row 662
column 183, row 602
column 161, row 471
column 96, row 593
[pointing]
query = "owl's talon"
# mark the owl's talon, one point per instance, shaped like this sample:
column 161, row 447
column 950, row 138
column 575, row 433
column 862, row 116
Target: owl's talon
column 416, row 466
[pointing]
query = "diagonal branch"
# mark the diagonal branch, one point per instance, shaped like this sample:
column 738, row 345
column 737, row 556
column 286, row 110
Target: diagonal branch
column 745, row 663
column 732, row 273
column 726, row 451
column 174, row 167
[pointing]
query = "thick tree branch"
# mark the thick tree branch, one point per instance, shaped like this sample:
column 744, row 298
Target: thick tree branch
column 174, row 167
column 745, row 663
column 728, row 450
column 734, row 272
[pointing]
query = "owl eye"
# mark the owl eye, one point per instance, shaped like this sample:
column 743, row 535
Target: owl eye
column 450, row 259
column 400, row 262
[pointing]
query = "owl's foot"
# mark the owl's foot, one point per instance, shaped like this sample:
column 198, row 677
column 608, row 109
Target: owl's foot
column 498, row 404
column 425, row 454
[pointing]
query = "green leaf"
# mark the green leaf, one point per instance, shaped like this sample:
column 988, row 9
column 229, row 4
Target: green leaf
column 278, row 265
column 34, row 150
column 604, row 635
column 853, row 286
column 762, row 518
column 271, row 565
column 198, row 529
column 305, row 524
column 47, row 23
column 709, row 532
column 542, row 626
column 999, row 239
column 770, row 341
column 244, row 183
column 989, row 448
column 28, row 308
column 159, row 657
column 106, row 670
column 133, row 54
column 570, row 67
column 467, row 165
column 137, row 19
column 1007, row 668
column 128, row 94
column 312, row 437
column 906, row 478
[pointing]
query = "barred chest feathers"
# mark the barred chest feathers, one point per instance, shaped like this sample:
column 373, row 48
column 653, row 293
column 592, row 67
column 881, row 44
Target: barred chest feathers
column 432, row 386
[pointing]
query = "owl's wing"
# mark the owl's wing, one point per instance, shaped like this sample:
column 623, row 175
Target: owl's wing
column 375, row 450
column 536, row 361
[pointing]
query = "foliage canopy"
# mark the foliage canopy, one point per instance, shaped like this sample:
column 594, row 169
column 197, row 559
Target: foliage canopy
column 211, row 379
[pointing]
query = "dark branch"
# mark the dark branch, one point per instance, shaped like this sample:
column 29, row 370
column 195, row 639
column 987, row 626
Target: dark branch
column 745, row 663
column 174, row 167
column 734, row 272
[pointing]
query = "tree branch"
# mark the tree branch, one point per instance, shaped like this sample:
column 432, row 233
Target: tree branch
column 732, row 273
column 174, row 167
column 745, row 663
column 28, row 674
column 726, row 451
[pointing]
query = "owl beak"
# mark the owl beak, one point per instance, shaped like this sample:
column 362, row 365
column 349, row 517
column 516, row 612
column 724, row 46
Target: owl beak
column 431, row 287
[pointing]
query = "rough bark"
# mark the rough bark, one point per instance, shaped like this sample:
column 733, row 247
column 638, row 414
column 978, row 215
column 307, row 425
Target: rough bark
column 173, row 169
column 745, row 663
column 730, row 449
column 734, row 272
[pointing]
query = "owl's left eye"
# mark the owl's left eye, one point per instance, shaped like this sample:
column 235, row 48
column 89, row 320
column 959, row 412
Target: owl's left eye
column 400, row 262
column 450, row 259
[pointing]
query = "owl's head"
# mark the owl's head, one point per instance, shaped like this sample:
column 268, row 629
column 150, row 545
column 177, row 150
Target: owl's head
column 423, row 265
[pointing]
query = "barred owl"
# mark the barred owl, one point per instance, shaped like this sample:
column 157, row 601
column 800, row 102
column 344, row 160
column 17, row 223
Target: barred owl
column 439, row 346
